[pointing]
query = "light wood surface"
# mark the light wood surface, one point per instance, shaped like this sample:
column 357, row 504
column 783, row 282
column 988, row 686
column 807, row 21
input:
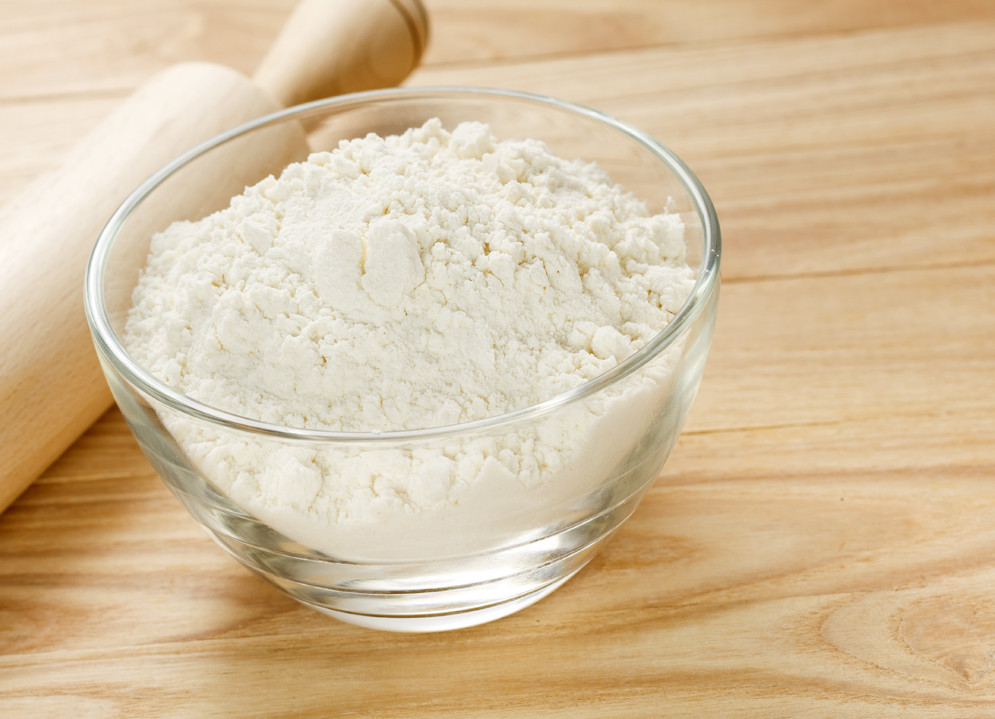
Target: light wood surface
column 51, row 386
column 821, row 542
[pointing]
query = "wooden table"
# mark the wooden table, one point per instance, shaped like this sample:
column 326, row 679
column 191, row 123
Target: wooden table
column 821, row 542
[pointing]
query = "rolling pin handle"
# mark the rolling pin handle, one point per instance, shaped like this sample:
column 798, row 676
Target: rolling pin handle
column 331, row 47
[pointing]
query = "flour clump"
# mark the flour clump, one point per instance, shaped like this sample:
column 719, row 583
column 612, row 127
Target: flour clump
column 413, row 281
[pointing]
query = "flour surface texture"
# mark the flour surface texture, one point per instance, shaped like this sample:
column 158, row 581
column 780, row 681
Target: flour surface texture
column 413, row 281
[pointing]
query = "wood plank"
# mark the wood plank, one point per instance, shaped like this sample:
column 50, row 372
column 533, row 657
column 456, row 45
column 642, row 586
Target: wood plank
column 83, row 46
column 844, row 583
column 822, row 155
column 832, row 349
column 488, row 30
column 79, row 46
column 36, row 135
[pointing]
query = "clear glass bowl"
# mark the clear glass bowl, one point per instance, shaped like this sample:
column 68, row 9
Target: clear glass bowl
column 511, row 539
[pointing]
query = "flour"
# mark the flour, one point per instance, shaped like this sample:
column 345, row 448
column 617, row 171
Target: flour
column 413, row 281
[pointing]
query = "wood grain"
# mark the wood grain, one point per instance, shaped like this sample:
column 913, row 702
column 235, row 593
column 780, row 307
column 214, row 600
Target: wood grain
column 82, row 46
column 834, row 349
column 748, row 582
column 37, row 135
column 72, row 46
column 491, row 30
column 822, row 154
column 820, row 542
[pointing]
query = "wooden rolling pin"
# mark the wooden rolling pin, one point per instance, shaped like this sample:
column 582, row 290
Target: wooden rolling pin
column 51, row 386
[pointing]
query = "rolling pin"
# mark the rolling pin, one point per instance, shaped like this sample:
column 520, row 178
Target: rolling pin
column 51, row 386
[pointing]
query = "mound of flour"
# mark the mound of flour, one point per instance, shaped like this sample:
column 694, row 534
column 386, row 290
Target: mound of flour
column 412, row 281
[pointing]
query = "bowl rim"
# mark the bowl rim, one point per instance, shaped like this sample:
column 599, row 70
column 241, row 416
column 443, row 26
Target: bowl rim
column 110, row 346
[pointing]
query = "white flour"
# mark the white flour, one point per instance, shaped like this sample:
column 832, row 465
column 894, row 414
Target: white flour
column 413, row 281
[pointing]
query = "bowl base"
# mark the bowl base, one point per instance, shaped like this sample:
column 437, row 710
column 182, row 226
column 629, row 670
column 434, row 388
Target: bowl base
column 444, row 622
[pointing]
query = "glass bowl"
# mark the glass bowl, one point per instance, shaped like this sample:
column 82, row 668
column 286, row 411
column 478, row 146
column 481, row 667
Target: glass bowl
column 509, row 537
